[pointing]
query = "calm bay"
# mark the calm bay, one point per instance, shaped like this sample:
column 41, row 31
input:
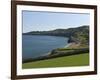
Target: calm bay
column 38, row 45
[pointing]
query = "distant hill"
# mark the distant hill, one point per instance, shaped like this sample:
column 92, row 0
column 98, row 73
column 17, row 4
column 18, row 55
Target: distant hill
column 77, row 35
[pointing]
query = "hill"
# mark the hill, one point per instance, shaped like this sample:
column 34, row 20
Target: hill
column 77, row 35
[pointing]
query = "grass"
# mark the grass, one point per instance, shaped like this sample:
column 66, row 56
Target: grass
column 73, row 60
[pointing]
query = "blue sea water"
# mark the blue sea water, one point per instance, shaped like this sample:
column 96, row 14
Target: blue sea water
column 37, row 45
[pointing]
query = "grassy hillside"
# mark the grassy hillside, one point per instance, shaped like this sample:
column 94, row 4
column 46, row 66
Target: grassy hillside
column 73, row 60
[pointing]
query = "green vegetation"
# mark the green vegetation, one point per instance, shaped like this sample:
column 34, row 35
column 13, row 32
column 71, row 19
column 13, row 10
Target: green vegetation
column 76, row 54
column 60, row 52
column 73, row 60
column 69, row 48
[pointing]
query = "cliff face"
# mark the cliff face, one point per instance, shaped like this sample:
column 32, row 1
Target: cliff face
column 81, row 35
column 77, row 35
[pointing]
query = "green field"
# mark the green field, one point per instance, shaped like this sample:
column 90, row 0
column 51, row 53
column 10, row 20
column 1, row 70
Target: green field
column 73, row 60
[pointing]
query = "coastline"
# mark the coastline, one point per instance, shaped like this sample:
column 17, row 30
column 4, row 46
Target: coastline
column 72, row 48
column 69, row 44
column 77, row 43
column 65, row 51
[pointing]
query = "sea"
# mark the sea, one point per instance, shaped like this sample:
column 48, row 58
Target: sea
column 34, row 46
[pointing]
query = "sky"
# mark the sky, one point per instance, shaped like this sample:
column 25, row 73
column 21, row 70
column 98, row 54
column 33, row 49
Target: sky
column 44, row 21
